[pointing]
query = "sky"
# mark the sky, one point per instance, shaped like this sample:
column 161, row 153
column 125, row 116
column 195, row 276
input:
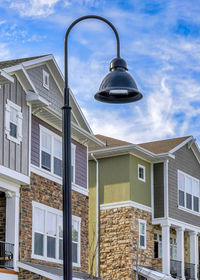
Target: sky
column 160, row 40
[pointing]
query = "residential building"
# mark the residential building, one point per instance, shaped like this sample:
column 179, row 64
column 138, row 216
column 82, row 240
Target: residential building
column 144, row 212
column 31, row 239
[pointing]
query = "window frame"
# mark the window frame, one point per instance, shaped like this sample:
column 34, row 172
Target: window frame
column 192, row 211
column 45, row 75
column 144, row 169
column 58, row 214
column 8, row 106
column 145, row 233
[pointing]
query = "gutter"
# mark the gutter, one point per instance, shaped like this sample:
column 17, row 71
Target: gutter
column 97, row 214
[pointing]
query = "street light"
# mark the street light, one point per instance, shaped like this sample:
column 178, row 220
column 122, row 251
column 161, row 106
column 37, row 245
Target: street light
column 117, row 87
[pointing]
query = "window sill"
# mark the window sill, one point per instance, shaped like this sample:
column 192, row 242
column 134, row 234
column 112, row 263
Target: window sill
column 143, row 180
column 48, row 175
column 42, row 258
column 188, row 210
column 13, row 139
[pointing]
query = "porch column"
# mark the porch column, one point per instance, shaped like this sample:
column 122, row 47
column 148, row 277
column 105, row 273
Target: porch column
column 12, row 223
column 180, row 249
column 194, row 250
column 166, row 249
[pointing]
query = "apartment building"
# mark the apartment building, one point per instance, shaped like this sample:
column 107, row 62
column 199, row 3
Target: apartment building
column 144, row 213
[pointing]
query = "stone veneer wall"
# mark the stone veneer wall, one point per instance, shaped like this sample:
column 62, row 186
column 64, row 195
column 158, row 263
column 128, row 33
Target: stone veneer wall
column 49, row 193
column 27, row 275
column 119, row 234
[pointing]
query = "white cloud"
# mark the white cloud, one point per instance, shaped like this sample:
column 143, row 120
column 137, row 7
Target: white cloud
column 34, row 8
column 5, row 53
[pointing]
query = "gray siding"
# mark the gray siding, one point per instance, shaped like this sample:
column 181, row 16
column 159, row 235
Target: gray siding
column 158, row 190
column 81, row 151
column 12, row 155
column 185, row 161
column 52, row 95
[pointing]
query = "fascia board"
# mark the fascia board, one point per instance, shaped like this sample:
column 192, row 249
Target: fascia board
column 7, row 76
column 181, row 145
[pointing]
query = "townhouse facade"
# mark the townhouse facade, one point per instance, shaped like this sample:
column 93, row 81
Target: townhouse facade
column 144, row 213
column 31, row 240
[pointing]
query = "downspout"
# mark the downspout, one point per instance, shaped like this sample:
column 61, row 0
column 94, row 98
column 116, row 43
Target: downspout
column 97, row 215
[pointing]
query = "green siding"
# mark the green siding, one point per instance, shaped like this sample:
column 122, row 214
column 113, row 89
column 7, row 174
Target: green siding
column 114, row 179
column 140, row 191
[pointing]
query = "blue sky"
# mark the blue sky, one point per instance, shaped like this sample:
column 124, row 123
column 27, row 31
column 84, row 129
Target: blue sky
column 160, row 41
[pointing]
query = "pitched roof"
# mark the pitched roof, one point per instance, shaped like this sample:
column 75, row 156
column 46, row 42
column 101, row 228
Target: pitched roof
column 13, row 62
column 157, row 147
column 110, row 142
column 163, row 146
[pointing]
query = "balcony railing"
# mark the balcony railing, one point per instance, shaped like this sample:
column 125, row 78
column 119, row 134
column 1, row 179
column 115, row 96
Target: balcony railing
column 175, row 268
column 189, row 271
column 6, row 254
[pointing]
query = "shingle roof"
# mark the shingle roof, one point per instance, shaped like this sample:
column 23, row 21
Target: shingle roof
column 13, row 62
column 157, row 147
column 110, row 142
column 163, row 146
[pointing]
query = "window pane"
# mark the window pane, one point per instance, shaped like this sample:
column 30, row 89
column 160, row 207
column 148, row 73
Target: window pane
column 141, row 173
column 181, row 198
column 188, row 201
column 160, row 250
column 60, row 226
column 188, row 185
column 13, row 115
column 57, row 148
column 46, row 161
column 142, row 228
column 57, row 166
column 51, row 247
column 39, row 220
column 195, row 188
column 142, row 241
column 46, row 142
column 13, row 130
column 60, row 249
column 75, row 229
column 74, row 253
column 196, row 204
column 51, row 224
column 155, row 237
column 38, row 244
column 181, row 181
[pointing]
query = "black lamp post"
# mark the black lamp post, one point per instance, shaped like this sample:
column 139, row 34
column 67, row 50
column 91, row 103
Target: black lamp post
column 117, row 87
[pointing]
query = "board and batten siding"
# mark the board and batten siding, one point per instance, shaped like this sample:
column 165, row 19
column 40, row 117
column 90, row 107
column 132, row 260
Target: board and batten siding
column 80, row 156
column 158, row 173
column 12, row 155
column 185, row 161
column 52, row 94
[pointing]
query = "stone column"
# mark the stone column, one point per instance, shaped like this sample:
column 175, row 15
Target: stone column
column 166, row 249
column 12, row 223
column 194, row 250
column 180, row 249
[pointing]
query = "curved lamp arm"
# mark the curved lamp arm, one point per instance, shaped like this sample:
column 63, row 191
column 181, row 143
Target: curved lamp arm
column 66, row 41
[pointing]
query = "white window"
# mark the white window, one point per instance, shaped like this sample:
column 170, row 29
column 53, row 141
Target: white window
column 47, row 239
column 45, row 79
column 188, row 192
column 141, row 172
column 173, row 248
column 157, row 245
column 142, row 234
column 13, row 122
column 51, row 153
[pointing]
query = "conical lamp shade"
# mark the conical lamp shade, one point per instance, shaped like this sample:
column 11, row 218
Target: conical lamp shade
column 118, row 86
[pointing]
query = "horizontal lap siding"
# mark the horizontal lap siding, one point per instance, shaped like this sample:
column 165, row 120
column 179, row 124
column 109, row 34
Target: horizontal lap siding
column 185, row 161
column 81, row 151
column 158, row 190
column 12, row 155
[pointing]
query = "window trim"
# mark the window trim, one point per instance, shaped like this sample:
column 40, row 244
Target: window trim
column 53, row 136
column 184, row 208
column 144, row 169
column 57, row 212
column 73, row 147
column 8, row 105
column 45, row 74
column 145, row 233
